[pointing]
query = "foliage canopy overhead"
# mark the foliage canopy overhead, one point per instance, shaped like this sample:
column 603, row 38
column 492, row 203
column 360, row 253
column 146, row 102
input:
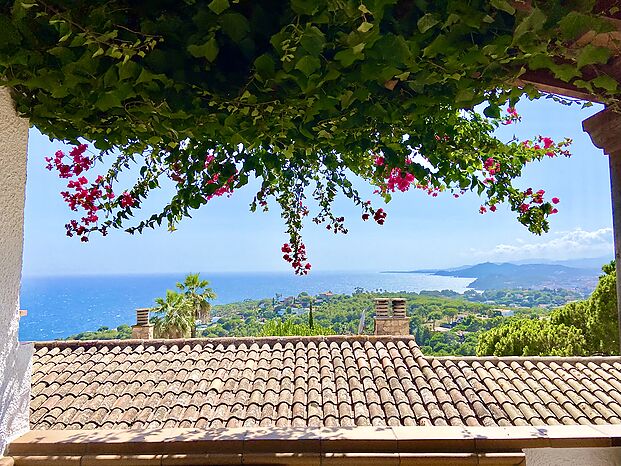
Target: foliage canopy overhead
column 296, row 93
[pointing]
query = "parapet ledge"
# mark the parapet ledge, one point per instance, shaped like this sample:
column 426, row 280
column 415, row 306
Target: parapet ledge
column 310, row 441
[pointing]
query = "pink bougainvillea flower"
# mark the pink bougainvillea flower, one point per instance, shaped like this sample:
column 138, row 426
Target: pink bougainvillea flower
column 126, row 200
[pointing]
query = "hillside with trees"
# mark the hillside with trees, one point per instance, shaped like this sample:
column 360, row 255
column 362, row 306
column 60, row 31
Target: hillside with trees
column 579, row 328
column 494, row 322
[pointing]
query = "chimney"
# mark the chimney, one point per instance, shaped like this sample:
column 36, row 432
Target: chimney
column 143, row 330
column 391, row 320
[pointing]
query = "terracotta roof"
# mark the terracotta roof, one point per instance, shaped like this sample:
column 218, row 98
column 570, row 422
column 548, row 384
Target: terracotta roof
column 310, row 382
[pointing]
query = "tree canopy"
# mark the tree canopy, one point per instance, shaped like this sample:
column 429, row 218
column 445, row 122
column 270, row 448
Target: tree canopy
column 576, row 329
column 175, row 315
column 299, row 94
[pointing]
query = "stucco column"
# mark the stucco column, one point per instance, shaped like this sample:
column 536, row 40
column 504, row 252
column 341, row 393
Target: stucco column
column 604, row 128
column 15, row 358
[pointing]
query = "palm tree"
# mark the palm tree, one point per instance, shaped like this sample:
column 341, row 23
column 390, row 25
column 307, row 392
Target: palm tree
column 173, row 316
column 197, row 294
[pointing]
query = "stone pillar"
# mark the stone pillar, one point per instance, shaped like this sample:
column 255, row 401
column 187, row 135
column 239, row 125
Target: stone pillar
column 604, row 128
column 15, row 358
column 391, row 321
column 142, row 332
column 392, row 326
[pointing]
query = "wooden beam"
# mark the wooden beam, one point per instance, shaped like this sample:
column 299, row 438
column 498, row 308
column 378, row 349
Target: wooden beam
column 547, row 82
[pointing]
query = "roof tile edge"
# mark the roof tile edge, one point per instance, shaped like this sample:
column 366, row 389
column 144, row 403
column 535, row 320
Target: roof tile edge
column 221, row 341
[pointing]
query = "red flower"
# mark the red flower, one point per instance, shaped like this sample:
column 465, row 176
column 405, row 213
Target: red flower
column 555, row 200
column 547, row 142
column 126, row 200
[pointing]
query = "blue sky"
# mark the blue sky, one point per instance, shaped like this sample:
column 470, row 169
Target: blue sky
column 420, row 231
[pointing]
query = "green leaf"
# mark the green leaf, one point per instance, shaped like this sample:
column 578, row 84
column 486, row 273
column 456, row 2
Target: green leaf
column 208, row 50
column 365, row 27
column 218, row 6
column 313, row 41
column 540, row 61
column 304, row 7
column 591, row 54
column 606, row 82
column 128, row 70
column 439, row 45
column 503, row 5
column 464, row 95
column 235, row 25
column 427, row 22
column 346, row 57
column 308, row 64
column 534, row 22
column 107, row 101
column 574, row 24
column 264, row 65
column 492, row 111
column 145, row 76
column 565, row 72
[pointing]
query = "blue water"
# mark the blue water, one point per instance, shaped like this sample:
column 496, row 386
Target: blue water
column 62, row 306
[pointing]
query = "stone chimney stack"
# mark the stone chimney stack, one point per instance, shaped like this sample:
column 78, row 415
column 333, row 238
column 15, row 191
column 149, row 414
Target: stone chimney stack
column 143, row 330
column 391, row 320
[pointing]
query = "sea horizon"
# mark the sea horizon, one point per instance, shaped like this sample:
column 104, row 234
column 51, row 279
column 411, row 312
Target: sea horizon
column 60, row 306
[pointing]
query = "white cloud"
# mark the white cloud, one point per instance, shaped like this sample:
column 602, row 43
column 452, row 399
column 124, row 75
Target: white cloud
column 573, row 244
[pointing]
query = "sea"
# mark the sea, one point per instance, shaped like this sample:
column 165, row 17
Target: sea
column 61, row 306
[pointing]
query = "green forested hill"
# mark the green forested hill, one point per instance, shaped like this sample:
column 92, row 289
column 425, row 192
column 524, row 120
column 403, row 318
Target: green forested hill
column 444, row 322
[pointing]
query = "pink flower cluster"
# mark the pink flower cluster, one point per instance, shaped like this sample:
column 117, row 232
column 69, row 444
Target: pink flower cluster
column 379, row 216
column 79, row 162
column 492, row 208
column 81, row 193
column 535, row 198
column 399, row 180
column 226, row 188
column 512, row 116
column 491, row 166
column 548, row 146
column 432, row 191
column 490, row 169
column 295, row 254
column 127, row 200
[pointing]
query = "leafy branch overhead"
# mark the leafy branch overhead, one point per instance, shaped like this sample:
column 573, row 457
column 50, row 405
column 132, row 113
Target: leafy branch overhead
column 300, row 94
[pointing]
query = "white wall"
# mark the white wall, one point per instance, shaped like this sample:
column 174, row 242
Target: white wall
column 15, row 358
column 610, row 456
